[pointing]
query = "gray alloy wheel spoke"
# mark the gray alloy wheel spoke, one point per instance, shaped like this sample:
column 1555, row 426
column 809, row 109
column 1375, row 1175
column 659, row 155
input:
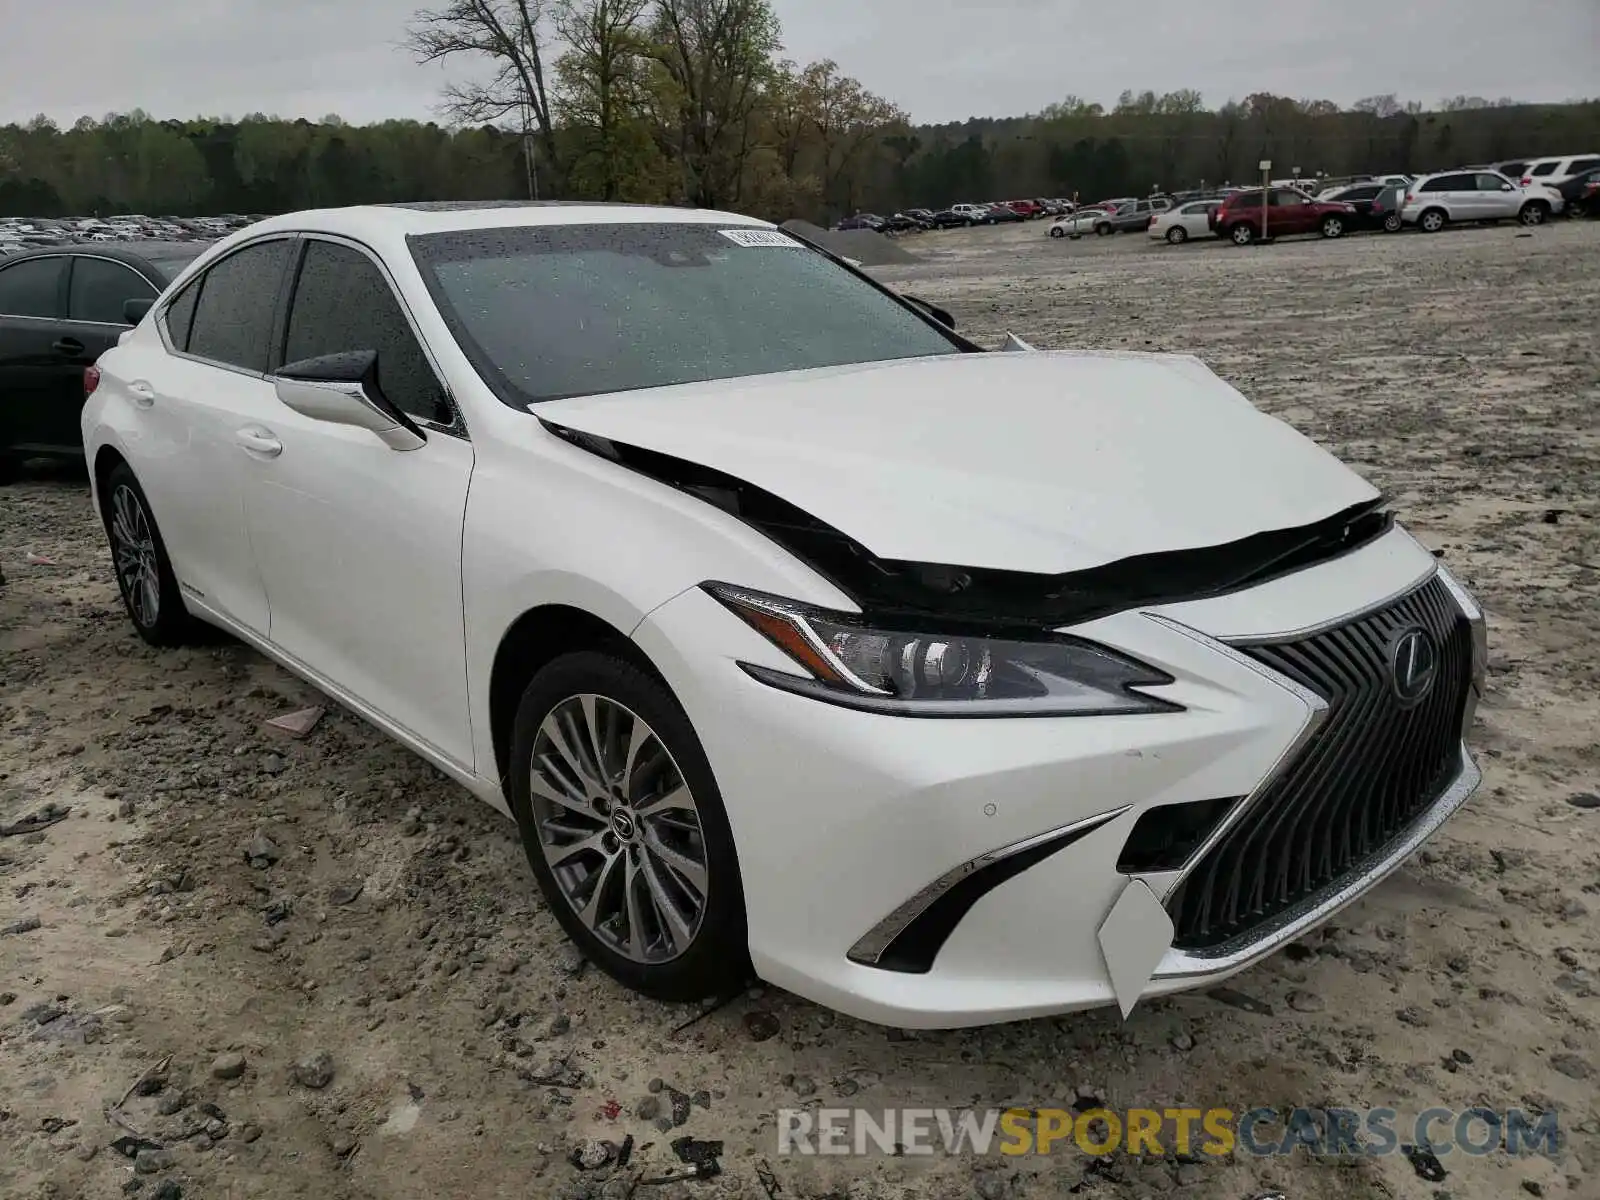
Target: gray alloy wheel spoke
column 675, row 926
column 556, row 855
column 676, row 798
column 632, row 882
column 619, row 828
column 556, row 729
column 551, row 784
column 135, row 556
column 681, row 865
column 594, row 909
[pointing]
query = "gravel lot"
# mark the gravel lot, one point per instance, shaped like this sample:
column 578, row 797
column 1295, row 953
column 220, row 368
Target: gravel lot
column 235, row 904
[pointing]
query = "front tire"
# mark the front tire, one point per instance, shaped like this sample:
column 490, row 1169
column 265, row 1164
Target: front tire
column 625, row 829
column 1393, row 223
column 1104, row 230
column 150, row 592
column 1056, row 231
column 1332, row 227
column 1177, row 235
column 1534, row 212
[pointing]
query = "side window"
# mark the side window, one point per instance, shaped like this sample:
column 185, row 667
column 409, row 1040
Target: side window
column 32, row 288
column 180, row 314
column 1282, row 199
column 233, row 319
column 342, row 303
column 1363, row 193
column 101, row 287
column 1490, row 183
column 1580, row 165
column 1544, row 168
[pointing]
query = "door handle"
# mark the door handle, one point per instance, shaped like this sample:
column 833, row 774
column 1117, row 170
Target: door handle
column 67, row 345
column 258, row 441
column 143, row 394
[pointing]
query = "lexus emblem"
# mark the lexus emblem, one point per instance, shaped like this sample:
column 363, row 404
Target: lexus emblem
column 1413, row 663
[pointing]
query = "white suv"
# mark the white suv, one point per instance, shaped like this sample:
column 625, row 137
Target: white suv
column 1434, row 201
column 1553, row 172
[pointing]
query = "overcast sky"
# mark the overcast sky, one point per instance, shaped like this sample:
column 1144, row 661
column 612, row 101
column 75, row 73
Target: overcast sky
column 937, row 59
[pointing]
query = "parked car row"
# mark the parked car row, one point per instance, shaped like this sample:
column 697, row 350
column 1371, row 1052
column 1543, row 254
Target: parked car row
column 1389, row 203
column 994, row 212
column 20, row 234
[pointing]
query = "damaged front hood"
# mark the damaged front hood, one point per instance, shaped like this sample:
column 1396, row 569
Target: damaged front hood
column 1046, row 463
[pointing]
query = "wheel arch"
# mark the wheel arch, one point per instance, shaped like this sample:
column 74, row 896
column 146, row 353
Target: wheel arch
column 533, row 640
column 106, row 460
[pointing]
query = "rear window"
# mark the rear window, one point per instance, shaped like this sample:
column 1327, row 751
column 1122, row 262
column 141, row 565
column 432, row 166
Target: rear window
column 551, row 311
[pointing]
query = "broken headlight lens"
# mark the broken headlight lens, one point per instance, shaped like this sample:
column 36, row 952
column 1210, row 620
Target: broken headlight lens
column 920, row 674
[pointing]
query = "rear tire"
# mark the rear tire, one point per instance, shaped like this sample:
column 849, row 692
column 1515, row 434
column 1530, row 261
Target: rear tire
column 650, row 856
column 1177, row 235
column 1242, row 234
column 1392, row 223
column 1432, row 221
column 1103, row 230
column 1056, row 231
column 150, row 592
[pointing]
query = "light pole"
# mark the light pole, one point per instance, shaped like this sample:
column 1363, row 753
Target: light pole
column 1266, row 188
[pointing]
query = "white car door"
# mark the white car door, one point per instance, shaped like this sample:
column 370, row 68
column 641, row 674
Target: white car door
column 359, row 545
column 1195, row 218
column 193, row 401
column 1498, row 197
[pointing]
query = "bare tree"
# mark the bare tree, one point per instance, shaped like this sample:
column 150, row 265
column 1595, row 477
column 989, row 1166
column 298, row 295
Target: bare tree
column 716, row 57
column 512, row 36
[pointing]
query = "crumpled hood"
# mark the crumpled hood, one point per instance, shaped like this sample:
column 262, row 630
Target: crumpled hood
column 1044, row 462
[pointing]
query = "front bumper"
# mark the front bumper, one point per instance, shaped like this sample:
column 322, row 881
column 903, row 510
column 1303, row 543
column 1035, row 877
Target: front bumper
column 844, row 820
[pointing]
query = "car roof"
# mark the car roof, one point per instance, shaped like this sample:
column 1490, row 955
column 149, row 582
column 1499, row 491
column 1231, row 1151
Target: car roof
column 447, row 216
column 167, row 258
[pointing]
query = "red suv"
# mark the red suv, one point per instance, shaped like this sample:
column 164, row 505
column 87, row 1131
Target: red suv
column 1026, row 208
column 1289, row 211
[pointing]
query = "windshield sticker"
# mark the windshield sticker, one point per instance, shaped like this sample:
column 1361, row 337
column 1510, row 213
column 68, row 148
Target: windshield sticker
column 760, row 237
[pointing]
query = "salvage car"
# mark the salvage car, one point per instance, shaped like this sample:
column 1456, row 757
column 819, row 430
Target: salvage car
column 802, row 637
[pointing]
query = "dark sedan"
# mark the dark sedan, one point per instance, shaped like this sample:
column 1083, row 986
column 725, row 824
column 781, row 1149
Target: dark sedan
column 1377, row 205
column 60, row 309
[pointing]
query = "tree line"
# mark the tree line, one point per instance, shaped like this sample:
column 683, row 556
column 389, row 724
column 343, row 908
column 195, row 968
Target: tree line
column 691, row 102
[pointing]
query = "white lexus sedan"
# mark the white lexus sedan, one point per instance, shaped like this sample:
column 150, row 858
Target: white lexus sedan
column 802, row 637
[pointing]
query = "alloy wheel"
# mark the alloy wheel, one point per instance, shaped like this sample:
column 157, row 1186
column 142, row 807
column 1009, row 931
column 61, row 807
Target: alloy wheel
column 1243, row 235
column 1533, row 214
column 134, row 549
column 1177, row 234
column 1432, row 222
column 619, row 829
column 1332, row 227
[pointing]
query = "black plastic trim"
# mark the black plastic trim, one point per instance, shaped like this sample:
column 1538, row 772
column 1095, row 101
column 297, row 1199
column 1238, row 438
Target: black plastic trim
column 915, row 947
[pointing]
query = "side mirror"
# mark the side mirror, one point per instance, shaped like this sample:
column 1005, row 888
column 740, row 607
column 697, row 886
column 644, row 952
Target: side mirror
column 1506, row 187
column 933, row 310
column 133, row 311
column 343, row 389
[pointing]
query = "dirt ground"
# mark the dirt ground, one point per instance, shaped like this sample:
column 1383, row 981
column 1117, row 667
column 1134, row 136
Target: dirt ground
column 388, row 921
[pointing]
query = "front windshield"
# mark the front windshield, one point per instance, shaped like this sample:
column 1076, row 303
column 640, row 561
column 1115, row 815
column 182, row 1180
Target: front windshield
column 550, row 311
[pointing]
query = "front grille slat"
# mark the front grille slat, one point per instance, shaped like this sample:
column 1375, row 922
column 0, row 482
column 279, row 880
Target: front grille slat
column 1371, row 769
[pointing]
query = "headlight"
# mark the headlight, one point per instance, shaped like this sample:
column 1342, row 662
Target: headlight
column 920, row 674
